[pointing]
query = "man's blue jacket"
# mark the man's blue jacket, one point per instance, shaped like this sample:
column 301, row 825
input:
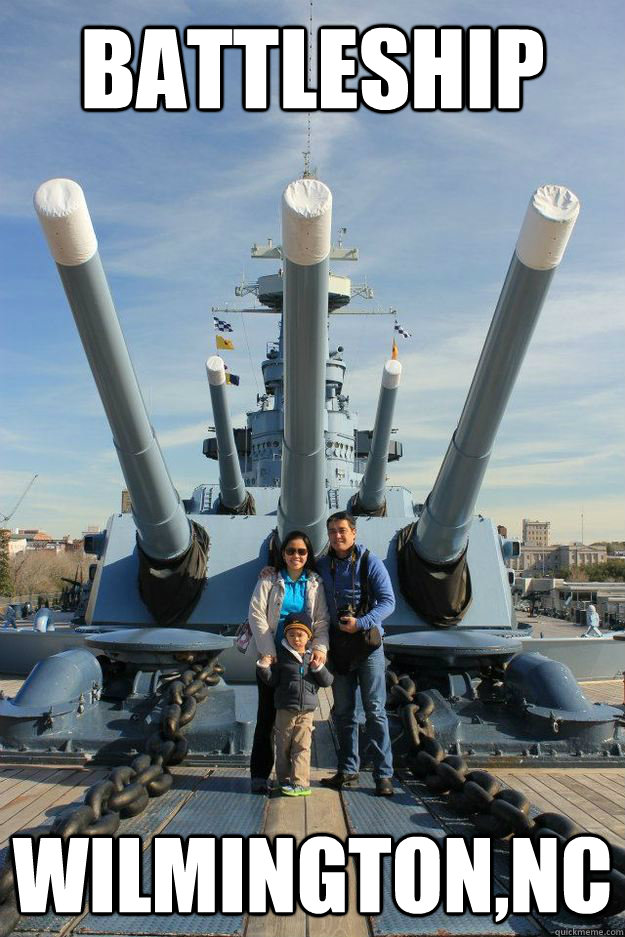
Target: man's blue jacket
column 339, row 591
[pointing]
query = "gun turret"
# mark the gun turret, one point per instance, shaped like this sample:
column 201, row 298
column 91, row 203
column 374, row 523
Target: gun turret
column 163, row 527
column 231, row 485
column 442, row 531
column 306, row 223
column 371, row 497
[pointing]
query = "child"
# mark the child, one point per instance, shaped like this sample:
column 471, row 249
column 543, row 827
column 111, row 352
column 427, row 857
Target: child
column 296, row 684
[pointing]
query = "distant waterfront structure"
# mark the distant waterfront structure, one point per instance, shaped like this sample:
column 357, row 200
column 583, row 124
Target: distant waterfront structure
column 126, row 505
column 536, row 533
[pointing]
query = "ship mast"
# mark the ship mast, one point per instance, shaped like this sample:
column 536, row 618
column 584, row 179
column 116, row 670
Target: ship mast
column 308, row 173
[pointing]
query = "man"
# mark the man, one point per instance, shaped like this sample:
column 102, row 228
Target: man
column 342, row 573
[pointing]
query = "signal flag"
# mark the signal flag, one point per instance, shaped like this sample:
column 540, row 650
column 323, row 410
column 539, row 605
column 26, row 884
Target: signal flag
column 226, row 343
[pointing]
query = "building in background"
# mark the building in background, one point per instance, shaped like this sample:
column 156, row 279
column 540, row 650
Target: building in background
column 26, row 539
column 538, row 557
column 35, row 539
column 71, row 545
column 548, row 561
column 16, row 544
column 578, row 554
column 536, row 533
column 569, row 600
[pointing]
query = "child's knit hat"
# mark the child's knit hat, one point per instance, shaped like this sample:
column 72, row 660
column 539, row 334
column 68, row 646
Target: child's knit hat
column 298, row 620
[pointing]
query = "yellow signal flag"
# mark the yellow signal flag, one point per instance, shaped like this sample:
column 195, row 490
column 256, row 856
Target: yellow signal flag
column 394, row 351
column 226, row 343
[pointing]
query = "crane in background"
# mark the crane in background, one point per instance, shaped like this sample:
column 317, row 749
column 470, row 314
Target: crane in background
column 7, row 517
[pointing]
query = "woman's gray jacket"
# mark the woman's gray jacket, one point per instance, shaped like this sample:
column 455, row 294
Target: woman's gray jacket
column 264, row 614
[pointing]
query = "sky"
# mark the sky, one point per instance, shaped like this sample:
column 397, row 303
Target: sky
column 434, row 202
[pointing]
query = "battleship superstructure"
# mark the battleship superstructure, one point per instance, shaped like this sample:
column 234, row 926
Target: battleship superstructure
column 346, row 447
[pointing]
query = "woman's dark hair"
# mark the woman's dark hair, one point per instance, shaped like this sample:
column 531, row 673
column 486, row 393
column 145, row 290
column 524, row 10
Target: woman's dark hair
column 310, row 565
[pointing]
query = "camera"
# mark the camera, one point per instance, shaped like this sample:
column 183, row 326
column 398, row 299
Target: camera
column 344, row 611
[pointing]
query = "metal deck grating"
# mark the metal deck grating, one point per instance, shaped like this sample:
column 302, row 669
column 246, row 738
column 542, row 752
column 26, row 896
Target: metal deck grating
column 221, row 805
column 406, row 815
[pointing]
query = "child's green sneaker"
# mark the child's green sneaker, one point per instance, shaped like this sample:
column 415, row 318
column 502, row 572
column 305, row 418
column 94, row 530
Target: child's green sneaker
column 288, row 790
column 299, row 791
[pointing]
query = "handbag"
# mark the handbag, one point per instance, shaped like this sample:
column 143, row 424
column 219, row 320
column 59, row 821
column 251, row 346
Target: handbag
column 348, row 651
column 243, row 636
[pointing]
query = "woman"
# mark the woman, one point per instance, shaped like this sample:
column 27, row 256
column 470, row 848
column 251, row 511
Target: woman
column 295, row 587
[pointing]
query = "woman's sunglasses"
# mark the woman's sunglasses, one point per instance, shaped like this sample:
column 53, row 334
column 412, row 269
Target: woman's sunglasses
column 291, row 551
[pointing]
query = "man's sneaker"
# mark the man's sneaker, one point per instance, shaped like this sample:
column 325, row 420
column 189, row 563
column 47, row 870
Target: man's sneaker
column 296, row 791
column 339, row 780
column 384, row 787
column 260, row 786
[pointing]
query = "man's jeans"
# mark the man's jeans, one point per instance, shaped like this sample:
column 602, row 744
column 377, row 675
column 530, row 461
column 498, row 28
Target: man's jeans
column 370, row 676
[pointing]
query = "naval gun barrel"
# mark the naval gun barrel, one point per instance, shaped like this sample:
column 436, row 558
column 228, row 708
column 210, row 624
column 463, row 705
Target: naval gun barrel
column 231, row 485
column 306, row 224
column 442, row 531
column 163, row 527
column 371, row 498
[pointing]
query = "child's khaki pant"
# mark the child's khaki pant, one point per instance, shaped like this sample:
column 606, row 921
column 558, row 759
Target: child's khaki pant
column 293, row 741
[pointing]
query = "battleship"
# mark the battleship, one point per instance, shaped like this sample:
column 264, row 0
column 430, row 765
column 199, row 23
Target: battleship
column 154, row 681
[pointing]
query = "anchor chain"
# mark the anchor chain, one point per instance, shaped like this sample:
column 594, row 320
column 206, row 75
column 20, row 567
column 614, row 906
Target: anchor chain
column 128, row 789
column 498, row 812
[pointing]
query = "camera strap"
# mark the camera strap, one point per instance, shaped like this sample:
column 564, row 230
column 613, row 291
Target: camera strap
column 363, row 605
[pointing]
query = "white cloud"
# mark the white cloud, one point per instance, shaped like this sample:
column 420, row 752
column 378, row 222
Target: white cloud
column 183, row 435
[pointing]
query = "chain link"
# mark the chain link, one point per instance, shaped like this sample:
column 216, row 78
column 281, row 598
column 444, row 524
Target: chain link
column 128, row 789
column 496, row 811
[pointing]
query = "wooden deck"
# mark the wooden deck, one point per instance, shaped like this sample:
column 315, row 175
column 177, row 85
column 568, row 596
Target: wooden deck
column 604, row 691
column 593, row 798
column 305, row 816
column 31, row 796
